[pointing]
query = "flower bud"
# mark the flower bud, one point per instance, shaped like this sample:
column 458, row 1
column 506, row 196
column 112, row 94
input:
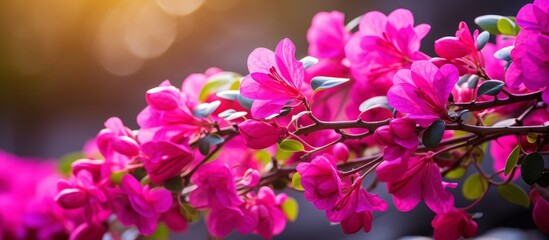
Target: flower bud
column 164, row 98
column 250, row 178
column 341, row 152
column 384, row 136
column 126, row 145
column 403, row 128
column 93, row 166
column 451, row 47
column 259, row 135
column 71, row 198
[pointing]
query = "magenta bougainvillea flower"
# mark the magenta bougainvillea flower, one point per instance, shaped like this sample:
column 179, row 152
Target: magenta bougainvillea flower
column 265, row 208
column 414, row 180
column 355, row 222
column 385, row 44
column 461, row 51
column 139, row 205
column 453, row 225
column 222, row 220
column 327, row 35
column 275, row 79
column 399, row 137
column 354, row 199
column 117, row 144
column 169, row 117
column 531, row 56
column 422, row 91
column 164, row 160
column 81, row 192
column 321, row 181
column 259, row 134
column 541, row 207
column 216, row 187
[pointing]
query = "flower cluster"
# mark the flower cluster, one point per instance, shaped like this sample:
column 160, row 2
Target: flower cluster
column 365, row 102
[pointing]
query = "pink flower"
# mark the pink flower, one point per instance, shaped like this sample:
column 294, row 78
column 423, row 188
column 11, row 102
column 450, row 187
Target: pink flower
column 399, row 137
column 266, row 210
column 169, row 117
column 422, row 91
column 320, row 181
column 275, row 79
column 453, row 225
column 164, row 160
column 174, row 219
column 362, row 220
column 327, row 35
column 80, row 193
column 87, row 231
column 215, row 187
column 259, row 134
column 530, row 56
column 462, row 47
column 415, row 180
column 541, row 208
column 354, row 199
column 385, row 44
column 140, row 205
column 117, row 144
column 222, row 220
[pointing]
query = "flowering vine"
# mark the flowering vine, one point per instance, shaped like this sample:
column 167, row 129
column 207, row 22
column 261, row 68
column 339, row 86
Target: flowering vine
column 221, row 145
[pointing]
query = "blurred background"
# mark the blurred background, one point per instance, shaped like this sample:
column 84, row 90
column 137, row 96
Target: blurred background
column 68, row 65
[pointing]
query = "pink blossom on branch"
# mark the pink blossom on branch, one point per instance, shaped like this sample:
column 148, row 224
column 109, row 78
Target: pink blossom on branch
column 530, row 65
column 415, row 180
column 275, row 79
column 399, row 137
column 453, row 225
column 140, row 206
column 422, row 91
column 259, row 134
column 385, row 44
column 321, row 182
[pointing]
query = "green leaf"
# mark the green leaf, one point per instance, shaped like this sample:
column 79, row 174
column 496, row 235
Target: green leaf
column 189, row 212
column 236, row 115
column 204, row 110
column 116, row 176
column 544, row 180
column 214, row 139
column 489, row 23
column 504, row 53
column 490, row 87
column 532, row 137
column 353, row 23
column 204, row 147
column 321, row 83
column 474, row 187
column 456, row 173
column 514, row 194
column 375, row 102
column 531, row 167
column 308, row 61
column 512, row 160
column 281, row 155
column 65, row 163
column 245, row 102
column 218, row 82
column 482, row 39
column 296, row 182
column 290, row 208
column 174, row 184
column 506, row 26
column 433, row 134
column 229, row 94
column 161, row 233
column 290, row 145
column 263, row 156
column 226, row 113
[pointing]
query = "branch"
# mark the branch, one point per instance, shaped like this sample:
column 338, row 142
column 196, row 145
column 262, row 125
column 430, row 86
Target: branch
column 513, row 98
